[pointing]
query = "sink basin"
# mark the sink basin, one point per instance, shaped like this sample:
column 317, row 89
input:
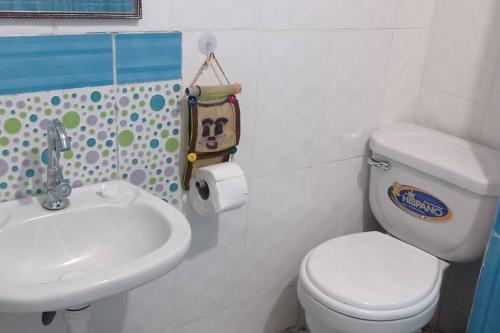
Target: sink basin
column 113, row 237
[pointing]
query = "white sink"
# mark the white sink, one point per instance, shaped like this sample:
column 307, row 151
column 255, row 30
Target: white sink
column 113, row 237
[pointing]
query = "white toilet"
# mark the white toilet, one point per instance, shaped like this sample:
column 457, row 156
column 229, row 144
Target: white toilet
column 435, row 195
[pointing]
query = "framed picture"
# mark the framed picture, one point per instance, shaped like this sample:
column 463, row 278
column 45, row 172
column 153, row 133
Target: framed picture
column 94, row 9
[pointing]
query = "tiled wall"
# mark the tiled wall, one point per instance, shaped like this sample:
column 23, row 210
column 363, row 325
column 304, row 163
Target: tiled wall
column 461, row 81
column 124, row 120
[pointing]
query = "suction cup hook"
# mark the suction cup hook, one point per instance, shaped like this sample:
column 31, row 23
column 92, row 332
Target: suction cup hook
column 207, row 43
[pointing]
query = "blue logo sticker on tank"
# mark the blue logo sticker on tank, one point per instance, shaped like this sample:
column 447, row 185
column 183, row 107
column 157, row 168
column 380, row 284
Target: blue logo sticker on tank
column 418, row 203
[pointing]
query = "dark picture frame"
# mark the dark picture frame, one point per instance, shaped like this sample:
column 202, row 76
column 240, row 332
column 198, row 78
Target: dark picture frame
column 135, row 14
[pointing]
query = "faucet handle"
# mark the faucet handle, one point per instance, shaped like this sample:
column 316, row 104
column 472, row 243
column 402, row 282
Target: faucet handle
column 62, row 190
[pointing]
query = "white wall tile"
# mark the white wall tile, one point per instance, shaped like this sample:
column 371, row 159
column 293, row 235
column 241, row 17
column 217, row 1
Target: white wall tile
column 212, row 276
column 404, row 75
column 285, row 220
column 282, row 15
column 415, row 13
column 271, row 313
column 216, row 14
column 363, row 14
column 463, row 49
column 449, row 114
column 291, row 99
column 354, row 92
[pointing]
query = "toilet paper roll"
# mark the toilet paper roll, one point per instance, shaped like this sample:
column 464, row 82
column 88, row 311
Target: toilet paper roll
column 218, row 188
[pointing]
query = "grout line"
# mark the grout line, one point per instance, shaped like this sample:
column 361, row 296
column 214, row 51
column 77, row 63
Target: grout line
column 117, row 110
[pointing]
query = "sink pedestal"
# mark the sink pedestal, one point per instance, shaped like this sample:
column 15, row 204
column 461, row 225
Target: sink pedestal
column 77, row 319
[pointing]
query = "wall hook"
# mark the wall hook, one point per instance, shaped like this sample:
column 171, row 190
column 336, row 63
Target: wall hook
column 207, row 43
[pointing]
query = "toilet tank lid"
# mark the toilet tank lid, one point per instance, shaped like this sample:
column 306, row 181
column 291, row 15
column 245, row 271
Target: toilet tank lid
column 465, row 164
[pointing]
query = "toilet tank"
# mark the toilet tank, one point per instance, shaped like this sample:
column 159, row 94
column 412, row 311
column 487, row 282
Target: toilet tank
column 438, row 192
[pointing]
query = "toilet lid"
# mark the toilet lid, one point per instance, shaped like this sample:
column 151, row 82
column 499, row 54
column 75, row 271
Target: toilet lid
column 372, row 271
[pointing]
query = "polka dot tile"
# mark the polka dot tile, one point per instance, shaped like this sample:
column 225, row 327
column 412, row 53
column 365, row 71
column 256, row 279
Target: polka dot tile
column 149, row 137
column 89, row 117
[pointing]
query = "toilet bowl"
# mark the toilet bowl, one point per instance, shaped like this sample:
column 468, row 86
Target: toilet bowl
column 369, row 283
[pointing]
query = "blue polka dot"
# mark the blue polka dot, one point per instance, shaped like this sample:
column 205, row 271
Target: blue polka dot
column 159, row 126
column 95, row 96
column 109, row 143
column 134, row 116
column 33, row 118
column 30, row 173
column 83, row 128
column 110, row 121
column 29, row 192
column 135, row 161
column 45, row 156
column 136, row 96
column 5, row 152
column 91, row 142
column 39, row 191
column 154, row 143
column 173, row 187
column 56, row 100
column 177, row 87
column 157, row 102
column 124, row 176
column 169, row 160
column 15, row 168
column 175, row 131
column 26, row 143
column 3, row 185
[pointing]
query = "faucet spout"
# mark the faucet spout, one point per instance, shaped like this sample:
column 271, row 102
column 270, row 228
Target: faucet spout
column 57, row 190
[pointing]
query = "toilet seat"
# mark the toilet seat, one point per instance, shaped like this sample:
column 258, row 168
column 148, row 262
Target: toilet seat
column 372, row 276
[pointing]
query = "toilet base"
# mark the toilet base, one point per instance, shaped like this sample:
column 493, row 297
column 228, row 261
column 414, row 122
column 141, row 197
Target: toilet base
column 321, row 319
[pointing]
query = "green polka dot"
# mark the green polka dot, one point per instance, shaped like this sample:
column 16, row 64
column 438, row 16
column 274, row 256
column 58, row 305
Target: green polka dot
column 164, row 134
column 23, row 115
column 125, row 138
column 105, row 153
column 171, row 145
column 68, row 154
column 48, row 112
column 37, row 99
column 152, row 181
column 71, row 119
column 4, row 141
column 171, row 101
column 2, row 111
column 12, row 125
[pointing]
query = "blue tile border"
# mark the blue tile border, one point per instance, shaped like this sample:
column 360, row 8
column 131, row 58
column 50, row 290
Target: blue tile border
column 70, row 6
column 44, row 63
column 148, row 57
column 41, row 63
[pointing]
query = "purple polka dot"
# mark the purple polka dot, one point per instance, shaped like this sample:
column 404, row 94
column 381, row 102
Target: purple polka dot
column 44, row 124
column 81, row 137
column 18, row 195
column 21, row 104
column 157, row 87
column 4, row 167
column 102, row 135
column 175, row 113
column 175, row 202
column 14, row 159
column 25, row 163
column 14, row 186
column 124, row 101
column 83, row 98
column 139, row 128
column 9, row 104
column 109, row 105
column 137, row 177
column 104, row 163
column 123, row 153
column 140, row 154
column 123, row 123
column 67, row 105
column 15, row 140
column 92, row 157
column 159, row 188
column 135, row 146
column 75, row 145
column 169, row 171
column 92, row 120
column 27, row 134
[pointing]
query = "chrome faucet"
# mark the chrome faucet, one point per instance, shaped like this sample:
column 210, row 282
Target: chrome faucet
column 57, row 190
